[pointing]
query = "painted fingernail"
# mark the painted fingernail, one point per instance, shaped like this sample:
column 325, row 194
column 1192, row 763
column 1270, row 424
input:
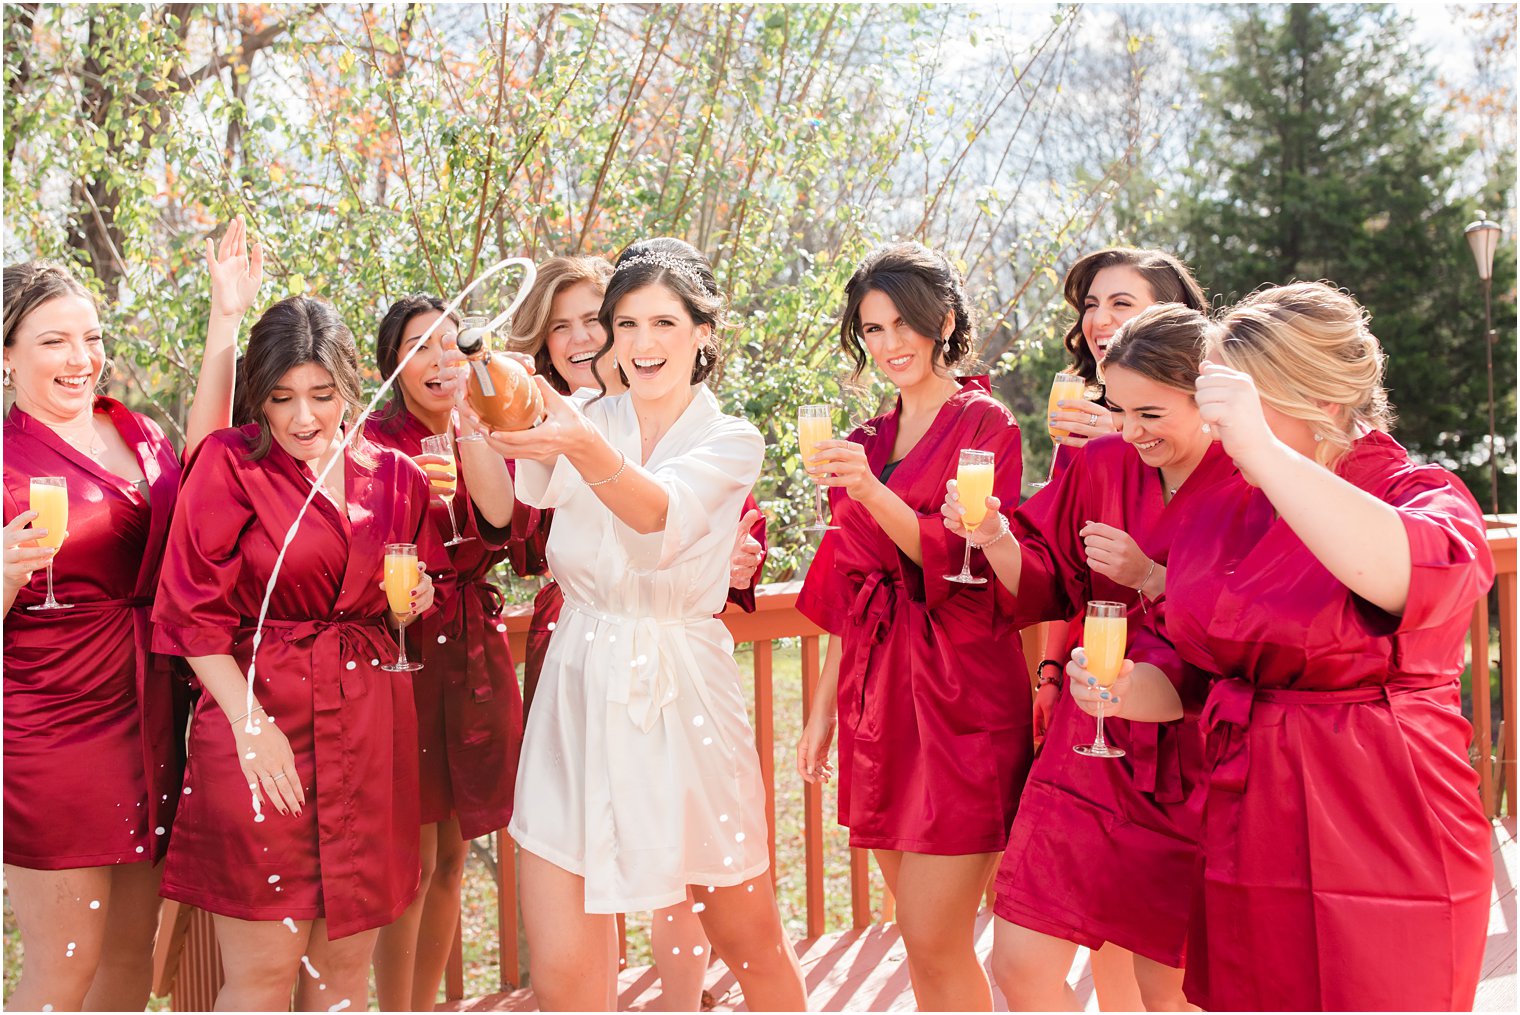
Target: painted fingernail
column 1092, row 681
column 1103, row 695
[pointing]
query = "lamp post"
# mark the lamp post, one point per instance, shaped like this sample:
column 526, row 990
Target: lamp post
column 1483, row 238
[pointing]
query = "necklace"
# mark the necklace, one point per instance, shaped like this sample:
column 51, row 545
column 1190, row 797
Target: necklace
column 95, row 448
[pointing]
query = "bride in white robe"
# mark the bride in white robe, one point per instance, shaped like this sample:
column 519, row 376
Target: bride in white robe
column 639, row 775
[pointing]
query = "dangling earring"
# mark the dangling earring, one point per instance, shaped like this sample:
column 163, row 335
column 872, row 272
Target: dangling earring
column 6, row 379
column 702, row 357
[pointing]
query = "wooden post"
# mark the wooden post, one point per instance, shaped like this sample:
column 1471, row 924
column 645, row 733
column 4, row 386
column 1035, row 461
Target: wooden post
column 812, row 803
column 507, row 946
column 1482, row 707
column 765, row 740
column 860, row 888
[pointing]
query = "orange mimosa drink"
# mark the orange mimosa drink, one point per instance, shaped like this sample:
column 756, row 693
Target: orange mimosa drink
column 51, row 502
column 974, row 482
column 1103, row 640
column 1070, row 387
column 400, row 579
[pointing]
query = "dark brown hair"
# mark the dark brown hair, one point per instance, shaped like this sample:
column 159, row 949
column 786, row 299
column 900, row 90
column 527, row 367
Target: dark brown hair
column 292, row 332
column 530, row 325
column 1169, row 280
column 924, row 286
column 388, row 343
column 1164, row 343
column 680, row 268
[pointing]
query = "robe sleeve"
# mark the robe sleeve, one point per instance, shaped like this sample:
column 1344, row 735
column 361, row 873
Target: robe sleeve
column 994, row 429
column 745, row 598
column 550, row 484
column 702, row 485
column 1448, row 548
column 1054, row 577
column 194, row 612
column 825, row 595
column 430, row 549
column 1148, row 643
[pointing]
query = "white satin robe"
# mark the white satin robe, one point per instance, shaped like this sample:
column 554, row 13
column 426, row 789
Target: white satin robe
column 638, row 769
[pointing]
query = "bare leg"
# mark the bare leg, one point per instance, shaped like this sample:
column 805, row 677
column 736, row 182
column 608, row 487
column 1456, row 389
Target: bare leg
column 125, row 977
column 937, row 902
column 435, row 937
column 396, row 950
column 335, row 972
column 745, row 927
column 572, row 954
column 61, row 935
column 259, row 960
column 1031, row 968
column 1160, row 986
column 1113, row 970
column 681, row 952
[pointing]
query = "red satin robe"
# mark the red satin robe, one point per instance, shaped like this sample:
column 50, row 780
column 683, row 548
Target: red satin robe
column 1346, row 856
column 1133, row 820
column 352, row 854
column 469, row 708
column 934, row 707
column 549, row 601
column 94, row 721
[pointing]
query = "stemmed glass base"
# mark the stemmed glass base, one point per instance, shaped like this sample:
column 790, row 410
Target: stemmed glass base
column 455, row 526
column 1099, row 748
column 50, row 603
column 819, row 526
column 966, row 577
column 402, row 663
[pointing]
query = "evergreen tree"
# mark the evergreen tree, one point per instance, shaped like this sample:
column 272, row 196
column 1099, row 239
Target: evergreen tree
column 1323, row 155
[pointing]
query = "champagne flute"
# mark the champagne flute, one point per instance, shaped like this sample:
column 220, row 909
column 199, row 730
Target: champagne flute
column 400, row 578
column 1068, row 387
column 1103, row 638
column 50, row 499
column 815, row 423
column 973, row 483
column 474, row 337
column 443, row 445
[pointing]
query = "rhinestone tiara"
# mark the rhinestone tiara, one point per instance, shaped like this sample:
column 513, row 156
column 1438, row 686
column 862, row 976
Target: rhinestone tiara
column 661, row 259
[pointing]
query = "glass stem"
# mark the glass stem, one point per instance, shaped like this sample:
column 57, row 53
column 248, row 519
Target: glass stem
column 401, row 656
column 452, row 523
column 49, row 601
column 818, row 503
column 966, row 564
column 1100, row 744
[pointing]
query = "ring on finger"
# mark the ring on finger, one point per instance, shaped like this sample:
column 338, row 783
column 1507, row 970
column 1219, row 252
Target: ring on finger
column 278, row 776
column 1092, row 419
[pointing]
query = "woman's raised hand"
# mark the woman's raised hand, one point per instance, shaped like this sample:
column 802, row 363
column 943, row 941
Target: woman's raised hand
column 236, row 269
column 843, row 463
column 1231, row 408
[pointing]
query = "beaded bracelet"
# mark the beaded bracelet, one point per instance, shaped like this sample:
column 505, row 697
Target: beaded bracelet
column 1004, row 531
column 623, row 464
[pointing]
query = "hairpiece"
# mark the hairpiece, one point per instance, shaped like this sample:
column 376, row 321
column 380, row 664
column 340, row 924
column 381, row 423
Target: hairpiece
column 661, row 259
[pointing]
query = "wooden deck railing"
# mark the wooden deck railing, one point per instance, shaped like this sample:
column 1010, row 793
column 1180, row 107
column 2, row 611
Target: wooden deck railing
column 186, row 961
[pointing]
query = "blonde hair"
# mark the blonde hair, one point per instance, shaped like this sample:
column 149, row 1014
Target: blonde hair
column 1307, row 345
column 530, row 323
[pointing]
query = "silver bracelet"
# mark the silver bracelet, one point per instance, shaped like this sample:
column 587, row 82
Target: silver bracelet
column 623, row 464
column 1141, row 587
column 1004, row 531
column 245, row 715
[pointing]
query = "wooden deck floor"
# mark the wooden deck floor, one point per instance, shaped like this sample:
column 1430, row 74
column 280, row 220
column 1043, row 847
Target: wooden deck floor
column 865, row 970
